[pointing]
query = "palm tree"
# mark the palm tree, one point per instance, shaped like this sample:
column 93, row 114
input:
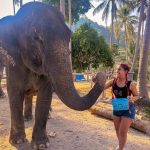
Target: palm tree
column 126, row 21
column 70, row 25
column 14, row 7
column 141, row 7
column 20, row 2
column 142, row 75
column 62, row 7
column 107, row 6
column 117, row 31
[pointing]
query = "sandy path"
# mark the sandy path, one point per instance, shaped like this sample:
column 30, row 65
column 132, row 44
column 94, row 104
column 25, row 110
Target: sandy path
column 74, row 131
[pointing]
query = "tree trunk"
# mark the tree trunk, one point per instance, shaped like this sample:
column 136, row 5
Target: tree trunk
column 70, row 25
column 62, row 7
column 112, row 24
column 136, row 52
column 126, row 43
column 14, row 7
column 143, row 62
column 105, row 110
column 112, row 30
column 21, row 3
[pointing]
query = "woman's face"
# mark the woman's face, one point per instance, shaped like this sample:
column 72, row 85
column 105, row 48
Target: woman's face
column 121, row 72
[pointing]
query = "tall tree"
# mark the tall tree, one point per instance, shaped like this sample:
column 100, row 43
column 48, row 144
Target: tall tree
column 141, row 5
column 109, row 6
column 117, row 31
column 78, row 7
column 126, row 22
column 70, row 25
column 88, row 49
column 21, row 2
column 143, row 62
column 14, row 7
column 62, row 7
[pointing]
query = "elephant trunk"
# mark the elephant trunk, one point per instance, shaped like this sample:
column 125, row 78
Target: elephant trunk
column 69, row 96
column 62, row 80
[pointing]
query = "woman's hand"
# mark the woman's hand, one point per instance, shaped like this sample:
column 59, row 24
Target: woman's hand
column 94, row 79
column 132, row 99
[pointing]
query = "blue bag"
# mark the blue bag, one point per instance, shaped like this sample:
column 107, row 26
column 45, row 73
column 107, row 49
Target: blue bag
column 120, row 104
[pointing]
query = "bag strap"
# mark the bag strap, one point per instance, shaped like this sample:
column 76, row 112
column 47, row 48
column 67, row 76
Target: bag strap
column 114, row 81
column 127, row 86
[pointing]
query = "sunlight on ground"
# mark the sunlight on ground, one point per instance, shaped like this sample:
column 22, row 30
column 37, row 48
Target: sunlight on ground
column 84, row 88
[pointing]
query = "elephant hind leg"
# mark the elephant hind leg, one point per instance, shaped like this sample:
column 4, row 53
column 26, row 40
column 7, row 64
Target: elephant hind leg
column 28, row 107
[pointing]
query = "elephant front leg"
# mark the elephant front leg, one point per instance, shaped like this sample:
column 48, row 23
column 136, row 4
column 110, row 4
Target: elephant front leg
column 17, row 132
column 28, row 108
column 39, row 136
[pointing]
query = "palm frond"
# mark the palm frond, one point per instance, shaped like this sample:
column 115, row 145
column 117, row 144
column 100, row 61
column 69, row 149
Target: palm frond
column 117, row 29
column 114, row 10
column 106, row 12
column 100, row 7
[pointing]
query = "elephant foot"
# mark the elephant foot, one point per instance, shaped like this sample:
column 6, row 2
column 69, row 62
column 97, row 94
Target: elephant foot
column 17, row 139
column 40, row 145
column 28, row 118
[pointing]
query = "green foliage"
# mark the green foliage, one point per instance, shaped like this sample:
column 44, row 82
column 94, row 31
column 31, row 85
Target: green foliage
column 79, row 7
column 132, row 46
column 89, row 49
column 115, row 49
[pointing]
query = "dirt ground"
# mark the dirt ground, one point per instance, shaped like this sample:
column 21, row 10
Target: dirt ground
column 74, row 131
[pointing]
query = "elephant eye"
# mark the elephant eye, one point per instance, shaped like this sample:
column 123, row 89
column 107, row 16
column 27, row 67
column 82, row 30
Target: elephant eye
column 36, row 38
column 36, row 61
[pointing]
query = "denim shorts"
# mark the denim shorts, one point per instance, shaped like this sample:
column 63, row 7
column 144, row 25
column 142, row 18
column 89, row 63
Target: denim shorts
column 126, row 113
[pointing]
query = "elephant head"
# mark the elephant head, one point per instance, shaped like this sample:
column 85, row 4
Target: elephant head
column 43, row 39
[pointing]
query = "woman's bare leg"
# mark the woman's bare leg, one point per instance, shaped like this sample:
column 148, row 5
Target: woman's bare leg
column 117, row 121
column 123, row 130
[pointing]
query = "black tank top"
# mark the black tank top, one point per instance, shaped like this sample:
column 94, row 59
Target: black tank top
column 121, row 92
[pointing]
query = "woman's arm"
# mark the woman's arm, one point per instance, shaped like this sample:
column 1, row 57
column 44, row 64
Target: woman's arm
column 108, row 84
column 134, row 92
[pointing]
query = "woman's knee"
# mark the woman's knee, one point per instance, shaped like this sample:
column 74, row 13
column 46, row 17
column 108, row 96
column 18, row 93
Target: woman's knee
column 122, row 133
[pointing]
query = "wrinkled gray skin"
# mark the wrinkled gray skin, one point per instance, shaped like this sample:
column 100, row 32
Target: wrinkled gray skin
column 37, row 38
column 28, row 108
column 2, row 94
column 28, row 99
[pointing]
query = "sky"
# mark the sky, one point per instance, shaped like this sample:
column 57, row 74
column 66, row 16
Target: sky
column 6, row 8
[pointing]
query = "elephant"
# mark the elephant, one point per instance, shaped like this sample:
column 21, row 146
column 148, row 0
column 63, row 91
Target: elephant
column 27, row 100
column 35, row 43
column 2, row 94
column 28, row 115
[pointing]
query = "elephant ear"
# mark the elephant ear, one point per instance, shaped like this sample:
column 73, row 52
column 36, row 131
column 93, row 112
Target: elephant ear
column 32, row 46
column 9, row 58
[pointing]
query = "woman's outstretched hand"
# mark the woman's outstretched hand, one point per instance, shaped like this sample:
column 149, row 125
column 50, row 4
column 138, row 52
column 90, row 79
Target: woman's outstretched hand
column 94, row 79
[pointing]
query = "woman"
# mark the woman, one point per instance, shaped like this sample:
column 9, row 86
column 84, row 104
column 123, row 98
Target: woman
column 122, row 88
